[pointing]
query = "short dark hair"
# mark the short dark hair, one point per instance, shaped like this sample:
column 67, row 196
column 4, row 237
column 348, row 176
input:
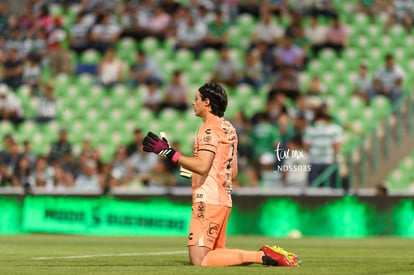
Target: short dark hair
column 217, row 96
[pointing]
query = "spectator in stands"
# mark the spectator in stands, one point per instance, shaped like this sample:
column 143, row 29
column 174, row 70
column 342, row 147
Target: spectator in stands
column 170, row 6
column 3, row 49
column 62, row 180
column 27, row 19
column 204, row 12
column 226, row 71
column 145, row 69
column 190, row 34
column 142, row 163
column 303, row 111
column 43, row 173
column 324, row 8
column 252, row 73
column 129, row 22
column 29, row 154
column 368, row 7
column 44, row 19
column 242, row 125
column 162, row 175
column 315, row 91
column 278, row 7
column 110, row 69
column 16, row 41
column 39, row 44
column 105, row 33
column 402, row 13
column 135, row 144
column 322, row 141
column 288, row 54
column 363, row 82
column 303, row 42
column 336, row 35
column 47, row 108
column 249, row 6
column 88, row 179
column 268, row 176
column 32, row 73
column 61, row 148
column 317, row 35
column 267, row 58
column 217, row 34
column 5, row 177
column 8, row 142
column 297, row 159
column 120, row 171
column 4, row 15
column 79, row 35
column 10, row 106
column 152, row 96
column 158, row 25
column 286, row 82
column 11, row 159
column 295, row 23
column 60, row 60
column 388, row 80
column 266, row 30
column 23, row 175
column 176, row 93
column 13, row 69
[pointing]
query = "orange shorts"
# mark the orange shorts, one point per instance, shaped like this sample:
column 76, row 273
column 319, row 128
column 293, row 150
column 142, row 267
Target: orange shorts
column 208, row 225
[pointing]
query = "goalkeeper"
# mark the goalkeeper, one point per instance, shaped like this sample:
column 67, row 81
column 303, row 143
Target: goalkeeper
column 213, row 167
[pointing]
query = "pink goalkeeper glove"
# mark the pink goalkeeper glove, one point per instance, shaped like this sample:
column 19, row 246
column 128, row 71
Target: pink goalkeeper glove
column 152, row 143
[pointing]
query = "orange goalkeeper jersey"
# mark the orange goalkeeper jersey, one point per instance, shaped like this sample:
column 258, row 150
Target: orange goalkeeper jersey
column 219, row 137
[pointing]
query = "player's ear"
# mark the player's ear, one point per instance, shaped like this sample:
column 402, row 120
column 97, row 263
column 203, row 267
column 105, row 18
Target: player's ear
column 207, row 102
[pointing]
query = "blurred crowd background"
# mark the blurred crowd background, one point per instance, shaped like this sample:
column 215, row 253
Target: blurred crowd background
column 83, row 81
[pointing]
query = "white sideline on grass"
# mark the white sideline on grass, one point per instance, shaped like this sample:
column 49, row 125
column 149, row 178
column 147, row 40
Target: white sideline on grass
column 114, row 255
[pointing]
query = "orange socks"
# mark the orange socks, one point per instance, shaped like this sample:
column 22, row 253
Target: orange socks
column 231, row 257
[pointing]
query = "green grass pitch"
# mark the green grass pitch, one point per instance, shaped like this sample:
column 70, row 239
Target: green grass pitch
column 51, row 254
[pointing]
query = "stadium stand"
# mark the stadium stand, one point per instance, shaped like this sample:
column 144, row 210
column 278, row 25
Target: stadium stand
column 107, row 115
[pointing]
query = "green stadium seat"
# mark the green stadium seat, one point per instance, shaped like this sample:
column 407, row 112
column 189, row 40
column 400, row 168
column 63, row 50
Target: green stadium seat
column 245, row 22
column 356, row 105
column 90, row 56
column 237, row 39
column 85, row 82
column 150, row 45
column 6, row 127
column 209, row 58
column 62, row 82
column 381, row 106
column 183, row 59
column 119, row 94
column 343, row 114
column 40, row 144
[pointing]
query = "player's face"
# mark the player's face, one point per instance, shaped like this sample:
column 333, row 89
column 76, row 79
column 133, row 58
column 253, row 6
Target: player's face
column 199, row 105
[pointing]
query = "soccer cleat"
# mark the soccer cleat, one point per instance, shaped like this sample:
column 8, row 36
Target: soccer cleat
column 277, row 256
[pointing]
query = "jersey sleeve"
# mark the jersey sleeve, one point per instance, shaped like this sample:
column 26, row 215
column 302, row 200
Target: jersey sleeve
column 208, row 139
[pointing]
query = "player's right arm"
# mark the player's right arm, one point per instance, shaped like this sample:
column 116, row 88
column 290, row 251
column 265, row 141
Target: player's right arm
column 199, row 164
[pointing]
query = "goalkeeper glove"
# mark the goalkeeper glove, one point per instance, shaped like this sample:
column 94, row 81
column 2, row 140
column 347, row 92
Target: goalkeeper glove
column 152, row 143
column 183, row 172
